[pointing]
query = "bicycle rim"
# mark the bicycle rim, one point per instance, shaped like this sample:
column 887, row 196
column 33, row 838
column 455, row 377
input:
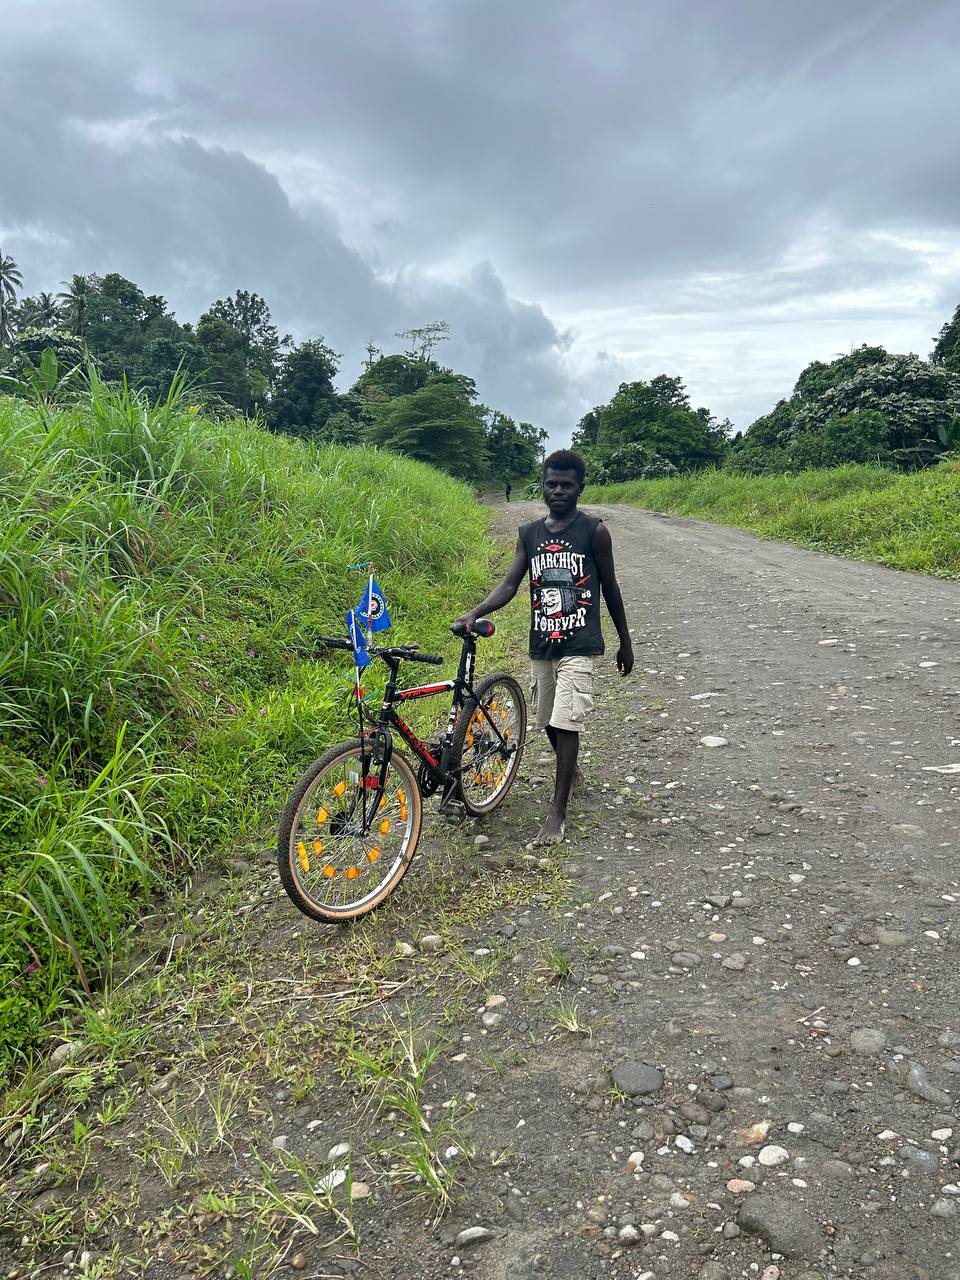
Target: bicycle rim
column 340, row 864
column 487, row 765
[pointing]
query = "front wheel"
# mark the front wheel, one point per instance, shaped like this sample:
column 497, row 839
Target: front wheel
column 343, row 849
column 488, row 760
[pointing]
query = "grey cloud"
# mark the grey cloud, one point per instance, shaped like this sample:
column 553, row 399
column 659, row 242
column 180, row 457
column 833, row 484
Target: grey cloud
column 651, row 174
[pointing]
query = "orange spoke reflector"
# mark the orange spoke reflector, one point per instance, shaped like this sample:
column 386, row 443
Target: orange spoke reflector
column 339, row 789
column 489, row 777
column 352, row 872
column 478, row 778
column 372, row 856
column 403, row 813
column 302, row 856
column 318, row 846
column 506, row 733
column 322, row 816
column 493, row 706
column 383, row 801
column 329, row 871
column 384, row 826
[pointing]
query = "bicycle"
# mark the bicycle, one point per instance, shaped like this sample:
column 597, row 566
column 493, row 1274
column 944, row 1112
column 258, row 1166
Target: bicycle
column 350, row 829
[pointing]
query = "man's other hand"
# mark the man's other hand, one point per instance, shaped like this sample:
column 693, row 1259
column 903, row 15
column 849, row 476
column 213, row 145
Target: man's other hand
column 625, row 659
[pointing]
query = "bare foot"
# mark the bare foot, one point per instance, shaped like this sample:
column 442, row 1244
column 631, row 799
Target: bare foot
column 552, row 831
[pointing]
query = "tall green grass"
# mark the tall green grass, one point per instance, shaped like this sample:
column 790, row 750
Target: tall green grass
column 865, row 512
column 162, row 581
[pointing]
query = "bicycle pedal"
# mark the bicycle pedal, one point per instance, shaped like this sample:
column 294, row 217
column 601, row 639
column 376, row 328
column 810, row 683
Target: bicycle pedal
column 453, row 811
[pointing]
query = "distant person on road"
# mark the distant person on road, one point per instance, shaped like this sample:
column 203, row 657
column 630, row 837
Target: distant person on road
column 508, row 489
column 568, row 556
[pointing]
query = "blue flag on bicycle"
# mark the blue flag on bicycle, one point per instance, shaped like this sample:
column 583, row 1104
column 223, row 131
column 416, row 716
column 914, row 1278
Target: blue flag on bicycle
column 358, row 639
column 372, row 609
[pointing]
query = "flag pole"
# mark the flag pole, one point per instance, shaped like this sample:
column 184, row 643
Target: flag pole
column 370, row 606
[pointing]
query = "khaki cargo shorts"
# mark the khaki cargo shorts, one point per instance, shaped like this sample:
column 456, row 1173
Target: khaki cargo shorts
column 562, row 691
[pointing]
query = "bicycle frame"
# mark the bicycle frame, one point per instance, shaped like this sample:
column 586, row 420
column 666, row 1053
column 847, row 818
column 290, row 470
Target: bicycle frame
column 461, row 686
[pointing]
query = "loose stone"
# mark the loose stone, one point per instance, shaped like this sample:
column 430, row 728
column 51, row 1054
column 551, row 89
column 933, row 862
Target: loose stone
column 473, row 1235
column 772, row 1156
column 868, row 1040
column 637, row 1078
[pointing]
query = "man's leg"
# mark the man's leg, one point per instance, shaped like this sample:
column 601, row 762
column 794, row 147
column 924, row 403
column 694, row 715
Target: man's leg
column 578, row 778
column 566, row 743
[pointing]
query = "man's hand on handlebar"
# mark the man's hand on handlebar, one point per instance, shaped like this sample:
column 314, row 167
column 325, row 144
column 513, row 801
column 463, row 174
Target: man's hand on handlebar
column 467, row 621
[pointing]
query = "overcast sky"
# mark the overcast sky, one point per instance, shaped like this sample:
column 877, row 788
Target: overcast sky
column 590, row 191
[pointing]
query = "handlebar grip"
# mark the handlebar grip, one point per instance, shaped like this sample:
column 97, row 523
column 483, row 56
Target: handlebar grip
column 334, row 642
column 482, row 627
column 432, row 658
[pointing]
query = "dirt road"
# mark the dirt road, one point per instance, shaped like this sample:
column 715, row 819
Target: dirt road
column 772, row 923
column 717, row 1036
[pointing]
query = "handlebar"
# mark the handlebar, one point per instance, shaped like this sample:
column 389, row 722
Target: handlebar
column 406, row 652
column 482, row 627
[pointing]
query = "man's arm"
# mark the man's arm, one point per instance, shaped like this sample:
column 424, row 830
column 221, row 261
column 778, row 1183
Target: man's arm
column 503, row 594
column 603, row 555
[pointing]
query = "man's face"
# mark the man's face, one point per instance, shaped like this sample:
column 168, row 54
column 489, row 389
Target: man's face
column 561, row 488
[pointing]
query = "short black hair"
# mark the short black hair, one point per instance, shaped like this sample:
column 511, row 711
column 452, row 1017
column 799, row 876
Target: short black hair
column 566, row 460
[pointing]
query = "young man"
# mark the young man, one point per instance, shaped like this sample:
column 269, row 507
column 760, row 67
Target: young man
column 568, row 555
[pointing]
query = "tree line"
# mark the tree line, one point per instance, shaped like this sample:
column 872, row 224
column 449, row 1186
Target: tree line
column 870, row 406
column 239, row 363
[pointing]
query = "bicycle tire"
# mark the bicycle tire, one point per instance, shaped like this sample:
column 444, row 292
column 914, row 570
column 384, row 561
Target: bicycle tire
column 476, row 807
column 291, row 859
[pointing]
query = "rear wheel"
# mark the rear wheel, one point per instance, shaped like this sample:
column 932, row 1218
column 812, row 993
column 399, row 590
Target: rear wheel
column 341, row 851
column 488, row 765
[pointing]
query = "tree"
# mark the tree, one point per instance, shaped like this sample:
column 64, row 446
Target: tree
column 224, row 365
column 249, row 314
column 164, row 357
column 946, row 353
column 438, row 424
column 121, row 321
column 587, row 429
column 10, row 281
column 73, row 300
column 304, row 396
column 818, row 378
column 43, row 312
column 423, row 340
column 658, row 416
column 513, row 450
column 395, row 375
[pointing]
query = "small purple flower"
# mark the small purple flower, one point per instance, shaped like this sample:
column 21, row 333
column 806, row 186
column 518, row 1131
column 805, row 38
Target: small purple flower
column 263, row 711
column 202, row 635
column 41, row 780
column 206, row 684
column 231, row 710
column 31, row 968
column 251, row 653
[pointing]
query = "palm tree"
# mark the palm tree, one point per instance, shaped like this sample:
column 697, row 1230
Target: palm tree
column 10, row 281
column 73, row 300
column 45, row 314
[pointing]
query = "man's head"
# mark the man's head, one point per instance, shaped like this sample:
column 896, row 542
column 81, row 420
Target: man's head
column 564, row 475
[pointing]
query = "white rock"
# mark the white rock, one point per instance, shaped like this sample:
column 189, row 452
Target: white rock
column 712, row 740
column 634, row 1161
column 494, row 1002
column 773, row 1155
column 330, row 1181
column 473, row 1235
column 339, row 1151
column 941, row 1135
column 628, row 1235
column 683, row 1143
column 405, row 950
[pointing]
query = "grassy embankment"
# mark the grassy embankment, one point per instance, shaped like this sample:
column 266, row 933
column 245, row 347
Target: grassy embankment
column 162, row 579
column 903, row 521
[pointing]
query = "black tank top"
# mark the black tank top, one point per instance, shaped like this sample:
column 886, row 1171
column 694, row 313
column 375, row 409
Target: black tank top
column 564, row 589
